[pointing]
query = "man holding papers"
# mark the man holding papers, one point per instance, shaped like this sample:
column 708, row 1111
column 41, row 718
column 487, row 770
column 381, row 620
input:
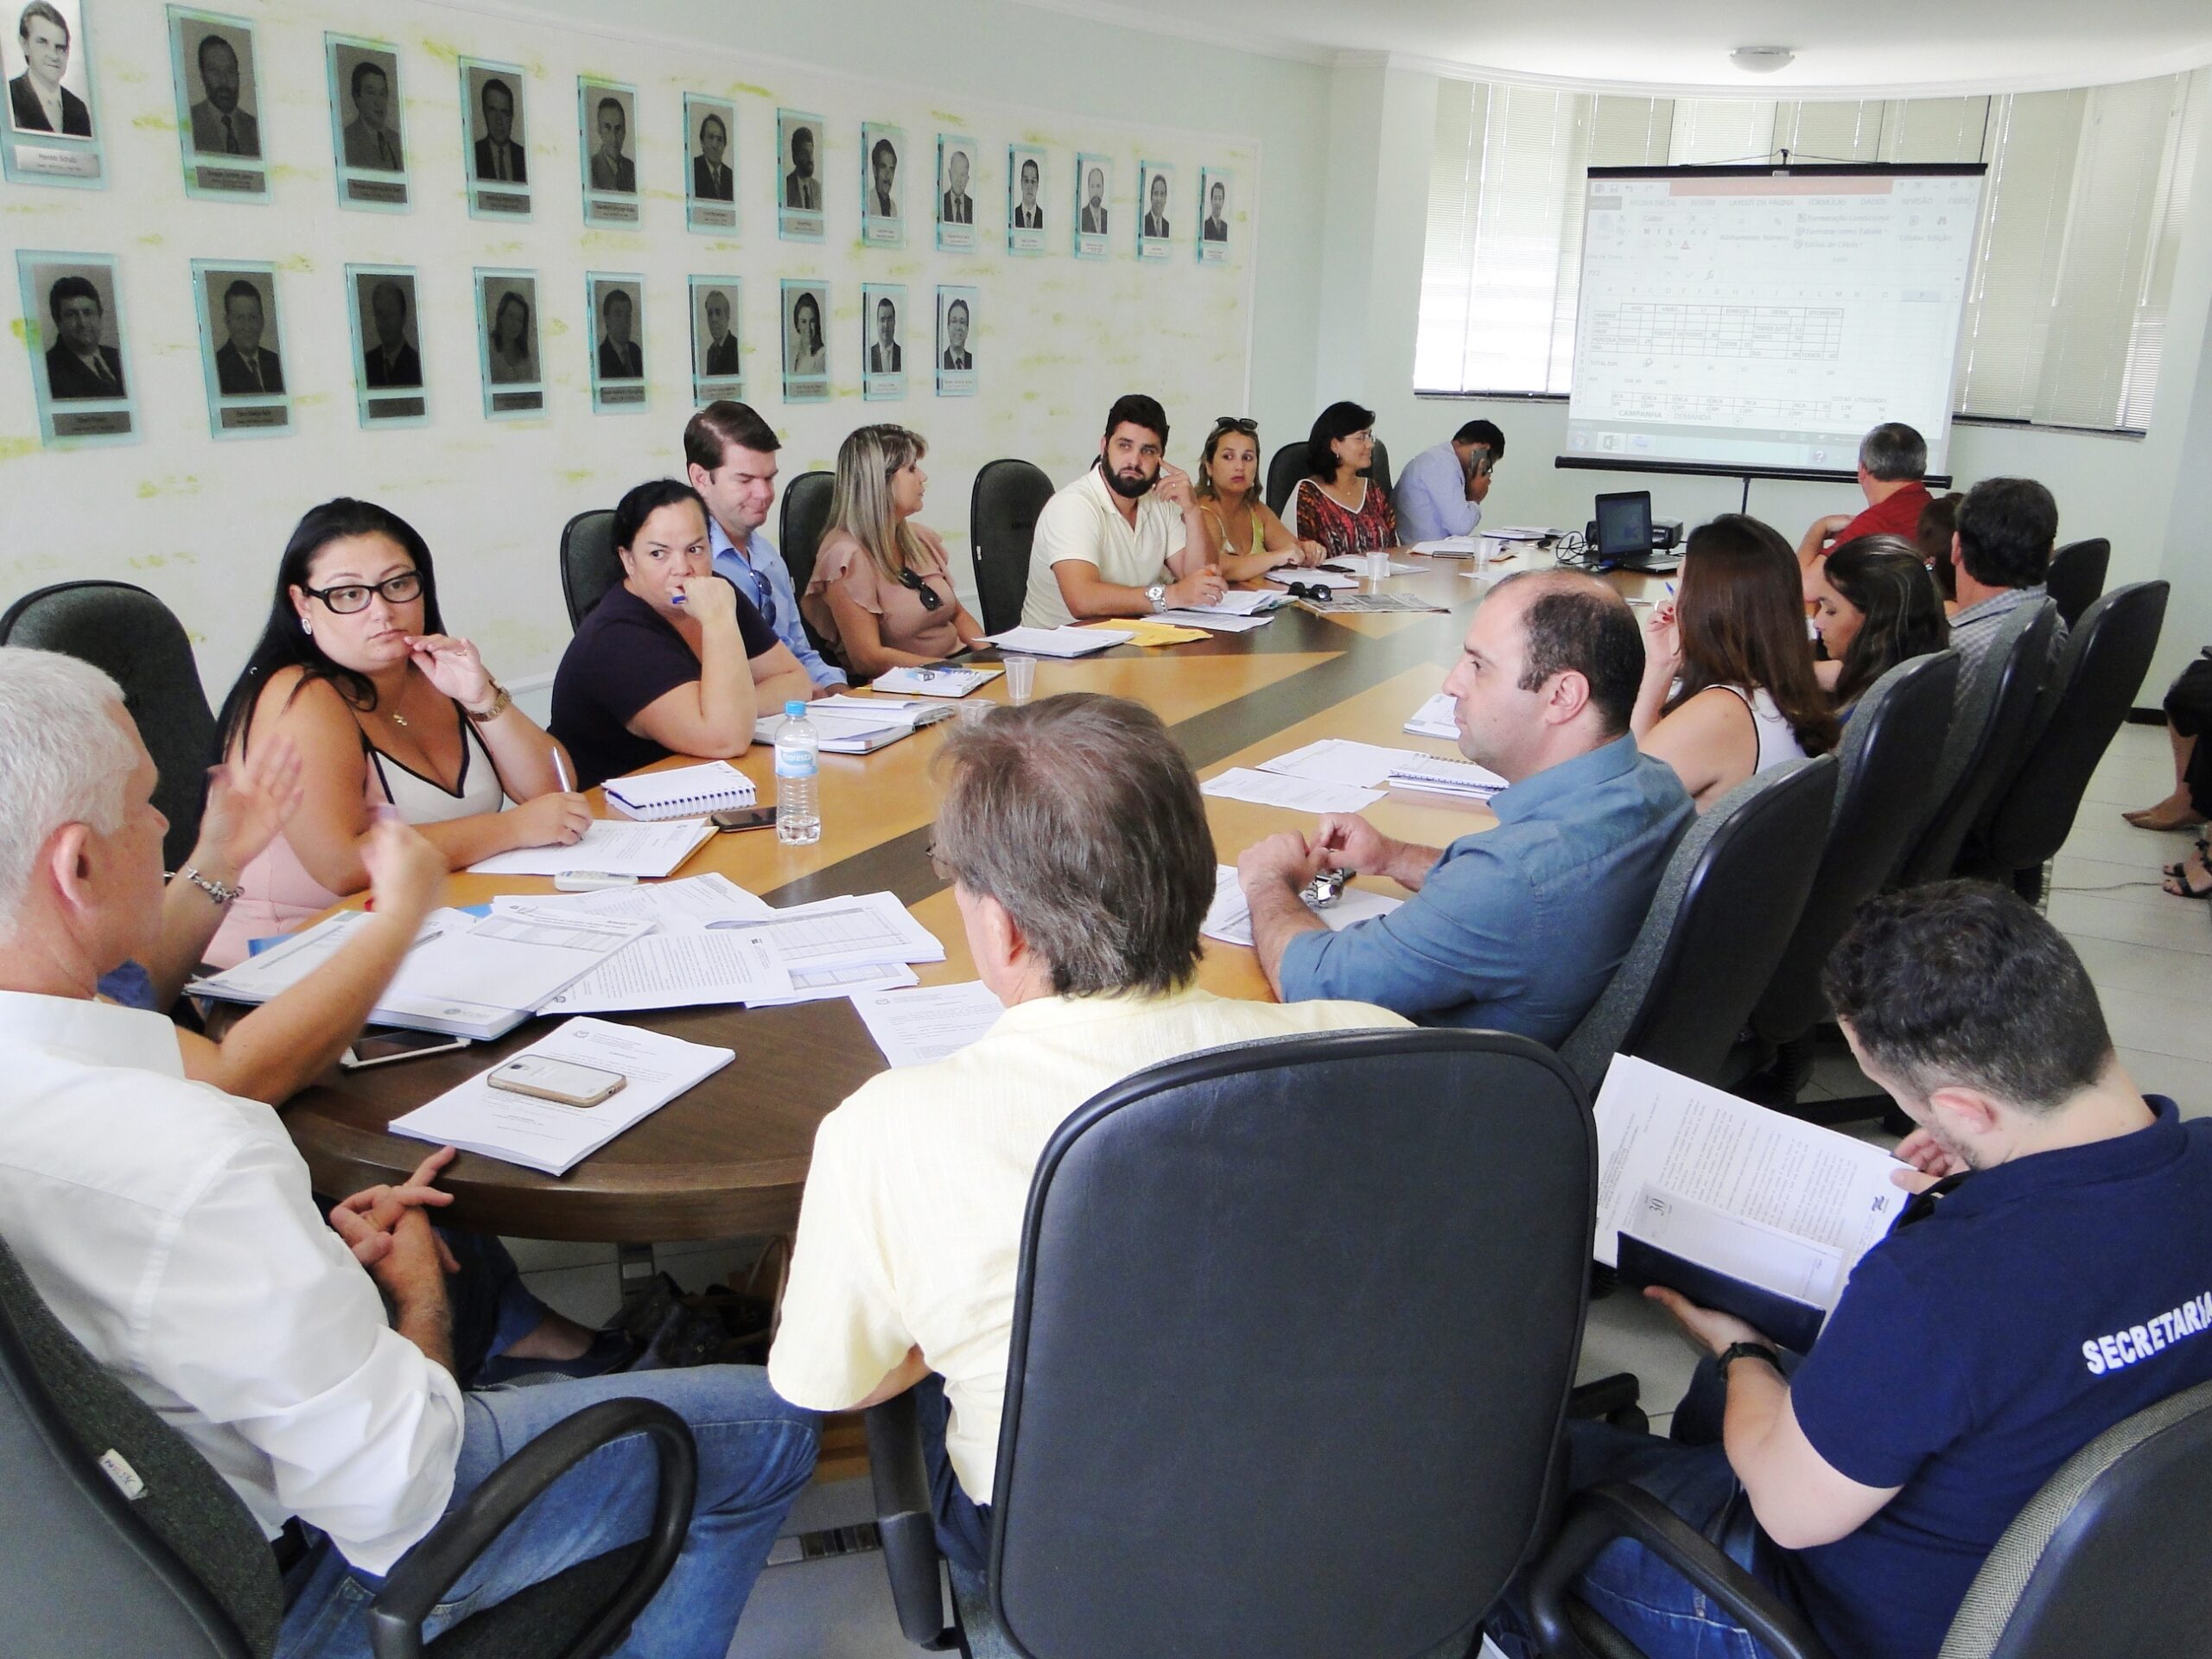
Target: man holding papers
column 1080, row 862
column 1520, row 927
column 2057, row 1280
column 170, row 1228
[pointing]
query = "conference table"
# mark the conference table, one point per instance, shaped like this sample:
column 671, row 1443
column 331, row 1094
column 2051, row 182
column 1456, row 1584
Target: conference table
column 729, row 1159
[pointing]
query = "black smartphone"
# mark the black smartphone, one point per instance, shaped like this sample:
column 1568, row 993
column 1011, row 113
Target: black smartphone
column 381, row 1047
column 743, row 817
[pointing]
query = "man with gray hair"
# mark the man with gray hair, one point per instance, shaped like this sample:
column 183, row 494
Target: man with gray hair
column 170, row 1228
column 1893, row 461
column 1077, row 847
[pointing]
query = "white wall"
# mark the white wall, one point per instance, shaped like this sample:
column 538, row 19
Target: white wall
column 201, row 522
column 2152, row 497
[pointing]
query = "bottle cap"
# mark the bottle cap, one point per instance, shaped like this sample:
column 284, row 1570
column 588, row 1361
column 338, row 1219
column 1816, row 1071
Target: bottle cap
column 795, row 710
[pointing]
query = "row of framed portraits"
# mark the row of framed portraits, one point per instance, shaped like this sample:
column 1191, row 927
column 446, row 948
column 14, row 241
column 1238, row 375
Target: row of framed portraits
column 50, row 132
column 88, row 389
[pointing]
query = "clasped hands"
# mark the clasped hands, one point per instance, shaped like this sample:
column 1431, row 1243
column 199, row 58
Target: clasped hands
column 1345, row 841
column 389, row 1231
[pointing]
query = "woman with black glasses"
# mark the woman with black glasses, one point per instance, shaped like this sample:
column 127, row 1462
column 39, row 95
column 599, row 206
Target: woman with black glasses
column 881, row 590
column 1247, row 539
column 388, row 712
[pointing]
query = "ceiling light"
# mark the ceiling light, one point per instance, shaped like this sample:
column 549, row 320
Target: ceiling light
column 1762, row 59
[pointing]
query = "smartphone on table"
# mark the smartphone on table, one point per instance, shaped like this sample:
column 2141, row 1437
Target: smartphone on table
column 563, row 1082
column 743, row 817
column 382, row 1047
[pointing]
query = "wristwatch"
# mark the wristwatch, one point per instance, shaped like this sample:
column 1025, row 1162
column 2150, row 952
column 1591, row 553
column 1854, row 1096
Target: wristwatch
column 220, row 892
column 500, row 701
column 1158, row 595
column 1736, row 1351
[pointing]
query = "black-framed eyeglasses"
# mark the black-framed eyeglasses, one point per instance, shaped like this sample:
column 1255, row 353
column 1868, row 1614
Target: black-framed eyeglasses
column 350, row 597
column 930, row 598
column 1243, row 424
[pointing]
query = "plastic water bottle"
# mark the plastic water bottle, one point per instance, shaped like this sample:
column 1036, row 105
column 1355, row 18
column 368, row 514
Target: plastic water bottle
column 798, row 785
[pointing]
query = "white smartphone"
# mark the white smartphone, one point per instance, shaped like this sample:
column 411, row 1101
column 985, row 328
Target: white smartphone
column 382, row 1047
column 561, row 1081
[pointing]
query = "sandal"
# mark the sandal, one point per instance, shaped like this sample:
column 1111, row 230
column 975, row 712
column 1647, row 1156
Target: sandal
column 2187, row 889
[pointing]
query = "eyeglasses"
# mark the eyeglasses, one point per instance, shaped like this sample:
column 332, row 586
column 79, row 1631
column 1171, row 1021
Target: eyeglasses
column 945, row 872
column 346, row 600
column 928, row 594
column 1243, row 424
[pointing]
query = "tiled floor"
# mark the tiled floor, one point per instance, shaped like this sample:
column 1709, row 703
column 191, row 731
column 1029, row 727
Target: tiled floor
column 2150, row 955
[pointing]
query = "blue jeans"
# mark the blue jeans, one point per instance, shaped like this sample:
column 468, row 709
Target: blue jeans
column 755, row 1453
column 963, row 1526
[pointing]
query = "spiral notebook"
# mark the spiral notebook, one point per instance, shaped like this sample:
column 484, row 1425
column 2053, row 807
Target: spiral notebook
column 684, row 793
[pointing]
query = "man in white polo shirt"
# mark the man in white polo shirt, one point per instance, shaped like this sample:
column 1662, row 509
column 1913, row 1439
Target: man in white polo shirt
column 1126, row 539
column 1077, row 847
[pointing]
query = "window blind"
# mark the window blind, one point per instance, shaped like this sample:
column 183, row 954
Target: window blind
column 2066, row 314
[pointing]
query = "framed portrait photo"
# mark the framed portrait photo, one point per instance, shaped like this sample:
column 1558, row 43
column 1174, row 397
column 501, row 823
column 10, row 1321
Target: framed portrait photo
column 617, row 351
column 799, row 175
column 506, row 343
column 955, row 185
column 1025, row 199
column 1213, row 215
column 883, row 318
column 955, row 341
column 72, row 316
column 804, row 307
column 495, row 140
column 367, row 126
column 50, row 131
column 717, row 361
column 710, row 164
column 1094, row 205
column 883, row 186
column 217, row 76
column 240, row 349
column 388, row 383
column 606, row 123
column 1155, row 209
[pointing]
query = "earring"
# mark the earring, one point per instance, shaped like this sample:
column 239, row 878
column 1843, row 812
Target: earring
column 305, row 627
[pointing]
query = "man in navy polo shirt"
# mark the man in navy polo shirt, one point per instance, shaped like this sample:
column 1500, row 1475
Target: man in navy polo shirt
column 2056, row 1278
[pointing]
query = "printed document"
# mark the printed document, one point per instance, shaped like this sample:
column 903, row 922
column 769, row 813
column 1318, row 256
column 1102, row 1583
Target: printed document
column 1438, row 717
column 679, row 971
column 616, row 846
column 1069, row 641
column 1229, row 918
column 1339, row 760
column 866, row 927
column 680, row 906
column 914, row 1028
column 1302, row 794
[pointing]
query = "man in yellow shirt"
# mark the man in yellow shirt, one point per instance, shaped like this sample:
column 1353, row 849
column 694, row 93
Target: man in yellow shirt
column 1077, row 847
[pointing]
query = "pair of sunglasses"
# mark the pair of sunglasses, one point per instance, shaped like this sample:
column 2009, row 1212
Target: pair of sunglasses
column 930, row 598
column 1313, row 590
column 1243, row 424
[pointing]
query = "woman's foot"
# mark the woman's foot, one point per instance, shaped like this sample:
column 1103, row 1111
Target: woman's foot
column 2190, row 879
column 2175, row 812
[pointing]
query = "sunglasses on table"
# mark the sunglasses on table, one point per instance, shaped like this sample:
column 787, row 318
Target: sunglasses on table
column 351, row 596
column 930, row 598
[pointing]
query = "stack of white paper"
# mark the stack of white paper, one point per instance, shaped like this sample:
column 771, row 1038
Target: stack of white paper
column 940, row 680
column 1449, row 547
column 1059, row 642
column 680, row 970
column 614, row 845
column 1302, row 794
column 544, row 1134
column 1438, row 717
column 1462, row 780
column 1211, row 621
column 1229, row 918
column 1339, row 760
column 914, row 1028
column 1239, row 601
column 908, row 711
column 849, row 728
column 681, row 906
column 865, row 928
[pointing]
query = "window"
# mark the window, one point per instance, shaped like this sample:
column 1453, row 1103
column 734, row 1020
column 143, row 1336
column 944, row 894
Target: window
column 2082, row 221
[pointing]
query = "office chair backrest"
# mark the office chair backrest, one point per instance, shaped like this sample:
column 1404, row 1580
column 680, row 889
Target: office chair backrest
column 180, row 1569
column 1730, row 898
column 806, row 515
column 590, row 564
column 1379, row 468
column 2077, row 576
column 1292, row 1345
column 1001, row 522
column 1285, row 468
column 131, row 635
column 2113, row 1556
column 1886, row 773
column 1990, row 723
column 2106, row 660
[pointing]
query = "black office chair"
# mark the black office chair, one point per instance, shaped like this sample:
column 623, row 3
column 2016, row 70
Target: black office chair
column 2077, row 576
column 2112, row 1557
column 1726, row 905
column 1003, row 510
column 1379, row 468
column 1884, row 779
column 1285, row 468
column 804, row 515
column 590, row 564
column 2107, row 658
column 1291, row 1347
column 1990, row 723
column 133, row 637
column 178, row 1566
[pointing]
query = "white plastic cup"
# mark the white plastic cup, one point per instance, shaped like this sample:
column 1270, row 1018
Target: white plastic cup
column 1378, row 564
column 1020, row 680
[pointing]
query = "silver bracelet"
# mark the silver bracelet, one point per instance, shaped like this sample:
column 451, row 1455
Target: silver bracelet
column 220, row 893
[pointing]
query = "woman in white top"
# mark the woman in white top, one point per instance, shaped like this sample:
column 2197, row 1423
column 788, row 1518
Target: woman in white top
column 389, row 713
column 1728, row 685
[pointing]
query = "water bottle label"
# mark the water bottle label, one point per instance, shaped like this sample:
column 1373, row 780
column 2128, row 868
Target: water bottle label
column 784, row 769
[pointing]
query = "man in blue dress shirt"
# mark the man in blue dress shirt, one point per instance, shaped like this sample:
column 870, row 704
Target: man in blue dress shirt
column 1440, row 492
column 1520, row 927
column 729, row 454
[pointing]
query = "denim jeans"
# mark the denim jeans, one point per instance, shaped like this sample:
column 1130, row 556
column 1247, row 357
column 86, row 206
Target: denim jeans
column 755, row 1453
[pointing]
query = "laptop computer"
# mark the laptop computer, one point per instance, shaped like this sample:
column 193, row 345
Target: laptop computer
column 1624, row 539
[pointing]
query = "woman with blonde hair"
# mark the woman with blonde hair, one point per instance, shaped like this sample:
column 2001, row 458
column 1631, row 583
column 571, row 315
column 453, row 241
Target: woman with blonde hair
column 1247, row 539
column 881, row 592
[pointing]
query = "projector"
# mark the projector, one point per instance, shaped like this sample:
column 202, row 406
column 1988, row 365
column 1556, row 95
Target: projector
column 1665, row 533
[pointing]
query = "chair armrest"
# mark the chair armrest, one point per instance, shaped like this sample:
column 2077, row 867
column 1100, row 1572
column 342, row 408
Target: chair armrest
column 906, row 1519
column 1598, row 1517
column 428, row 1573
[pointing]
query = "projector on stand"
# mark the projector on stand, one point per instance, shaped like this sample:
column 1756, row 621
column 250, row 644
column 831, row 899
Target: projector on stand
column 1665, row 533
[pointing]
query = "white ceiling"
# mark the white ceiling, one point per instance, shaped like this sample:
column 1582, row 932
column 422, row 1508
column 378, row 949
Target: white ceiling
column 1871, row 46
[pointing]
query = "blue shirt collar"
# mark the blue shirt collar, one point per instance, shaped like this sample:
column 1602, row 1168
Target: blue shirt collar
column 1544, row 789
column 2124, row 1157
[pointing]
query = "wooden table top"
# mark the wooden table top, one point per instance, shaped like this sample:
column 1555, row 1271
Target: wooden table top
column 729, row 1157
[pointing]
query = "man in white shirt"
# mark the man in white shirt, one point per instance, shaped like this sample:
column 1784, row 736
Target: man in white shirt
column 169, row 1226
column 1077, row 847
column 1123, row 539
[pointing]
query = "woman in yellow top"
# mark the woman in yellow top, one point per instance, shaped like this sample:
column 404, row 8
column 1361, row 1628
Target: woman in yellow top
column 1247, row 539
